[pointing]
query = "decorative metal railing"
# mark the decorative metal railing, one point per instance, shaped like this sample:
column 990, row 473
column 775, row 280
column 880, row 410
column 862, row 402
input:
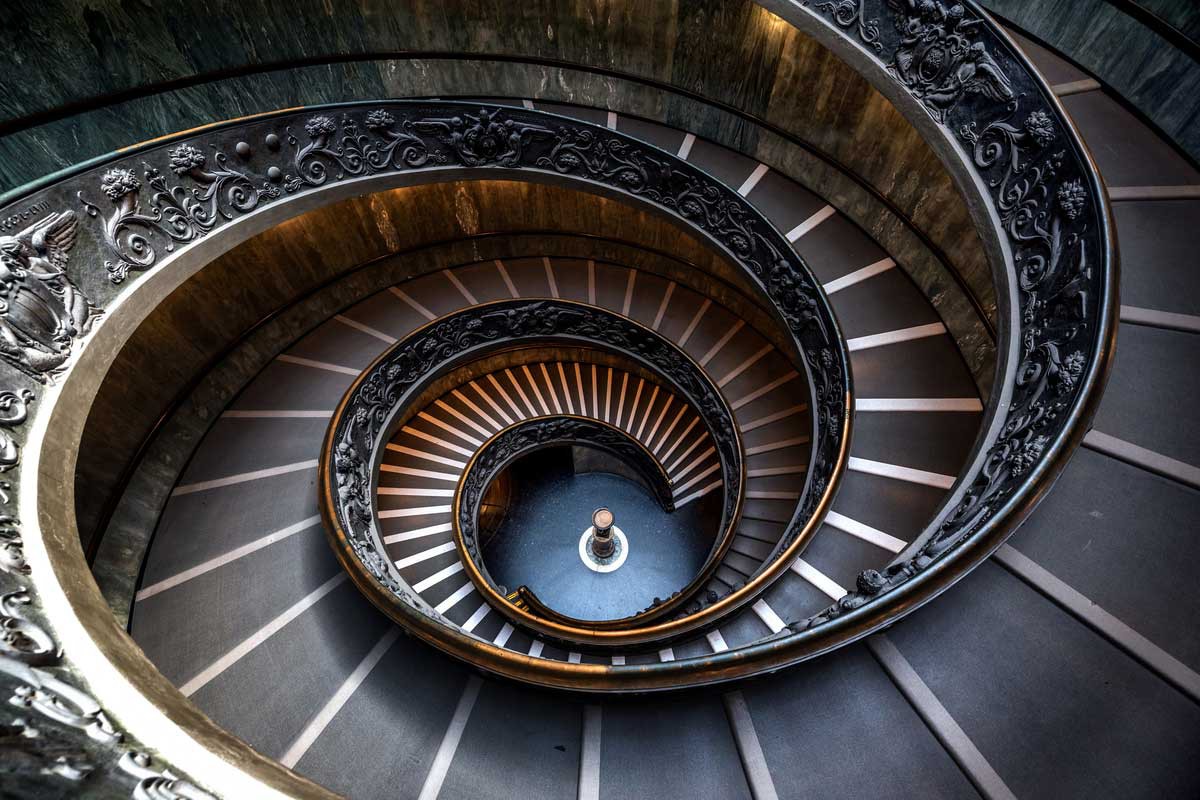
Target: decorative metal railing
column 364, row 421
column 80, row 251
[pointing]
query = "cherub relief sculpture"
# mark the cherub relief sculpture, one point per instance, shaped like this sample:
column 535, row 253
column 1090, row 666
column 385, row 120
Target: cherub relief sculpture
column 42, row 312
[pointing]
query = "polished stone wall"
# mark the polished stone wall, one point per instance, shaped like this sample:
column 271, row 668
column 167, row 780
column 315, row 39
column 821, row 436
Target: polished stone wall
column 99, row 77
column 1156, row 78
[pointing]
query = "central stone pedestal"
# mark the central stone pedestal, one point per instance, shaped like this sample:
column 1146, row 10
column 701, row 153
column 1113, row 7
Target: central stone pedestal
column 603, row 547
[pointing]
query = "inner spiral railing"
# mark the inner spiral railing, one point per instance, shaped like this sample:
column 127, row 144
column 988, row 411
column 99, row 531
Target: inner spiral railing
column 88, row 233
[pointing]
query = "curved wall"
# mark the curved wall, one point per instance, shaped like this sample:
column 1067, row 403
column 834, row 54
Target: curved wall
column 1146, row 69
column 218, row 306
column 168, row 68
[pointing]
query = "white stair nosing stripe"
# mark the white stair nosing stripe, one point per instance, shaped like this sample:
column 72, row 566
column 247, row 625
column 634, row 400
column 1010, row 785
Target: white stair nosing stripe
column 463, row 418
column 697, row 461
column 697, row 478
column 770, row 418
column 752, row 180
column 658, row 422
column 477, row 617
column 685, row 147
column 550, row 388
column 924, row 404
column 618, row 661
column 696, row 443
column 528, row 104
column 420, row 309
column 506, row 632
column 745, row 737
column 666, row 654
column 437, row 577
column 455, row 598
column 745, row 365
column 681, row 437
column 323, row 365
column 720, row 343
column 512, row 290
column 762, row 390
column 611, row 121
column 417, row 533
column 270, row 414
column 574, row 658
column 895, row 337
column 425, row 555
column 662, row 307
column 595, row 393
column 553, row 284
column 590, row 749
column 562, row 381
column 807, row 225
column 865, row 532
column 716, row 641
column 408, row 491
column 474, row 407
column 409, row 451
column 646, row 415
column 317, row 725
column 450, row 429
column 637, row 398
column 591, row 281
column 690, row 329
column 429, row 437
column 818, row 579
column 536, row 648
column 697, row 495
column 463, row 290
column 1186, row 323
column 767, row 472
column 421, row 511
column 667, row 433
column 1177, row 192
column 261, row 635
column 420, row 473
column 512, row 378
column 1158, row 660
column 628, row 301
column 858, row 276
column 763, row 495
column 242, row 477
column 1075, row 87
column 367, row 329
column 449, row 745
column 579, row 387
column 1143, row 458
column 768, row 616
column 779, row 445
column 900, row 473
column 517, row 413
column 225, row 558
column 948, row 733
column 608, row 394
column 621, row 399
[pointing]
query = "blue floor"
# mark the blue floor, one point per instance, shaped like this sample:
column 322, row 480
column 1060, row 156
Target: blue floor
column 538, row 543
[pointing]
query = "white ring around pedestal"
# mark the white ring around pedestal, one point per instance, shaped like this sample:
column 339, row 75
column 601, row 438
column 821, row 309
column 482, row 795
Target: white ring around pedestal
column 589, row 560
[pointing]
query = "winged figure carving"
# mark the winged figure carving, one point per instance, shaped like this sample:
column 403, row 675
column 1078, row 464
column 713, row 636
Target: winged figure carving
column 42, row 312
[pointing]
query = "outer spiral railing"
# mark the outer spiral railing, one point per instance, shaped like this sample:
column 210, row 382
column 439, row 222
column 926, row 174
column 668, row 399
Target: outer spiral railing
column 88, row 234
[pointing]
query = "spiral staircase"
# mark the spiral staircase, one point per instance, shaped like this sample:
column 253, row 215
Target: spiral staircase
column 308, row 402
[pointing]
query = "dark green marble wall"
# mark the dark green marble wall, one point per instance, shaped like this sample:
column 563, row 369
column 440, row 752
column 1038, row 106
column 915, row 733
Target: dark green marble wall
column 110, row 73
column 1158, row 79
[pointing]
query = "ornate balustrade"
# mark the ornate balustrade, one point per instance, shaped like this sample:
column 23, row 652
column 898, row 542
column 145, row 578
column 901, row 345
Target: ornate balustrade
column 87, row 252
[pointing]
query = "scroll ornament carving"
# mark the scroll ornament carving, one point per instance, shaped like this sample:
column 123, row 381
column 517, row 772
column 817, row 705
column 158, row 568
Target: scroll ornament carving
column 1041, row 204
column 42, row 312
column 444, row 341
column 174, row 214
